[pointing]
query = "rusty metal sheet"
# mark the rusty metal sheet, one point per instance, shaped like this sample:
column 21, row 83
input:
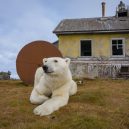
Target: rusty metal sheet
column 30, row 58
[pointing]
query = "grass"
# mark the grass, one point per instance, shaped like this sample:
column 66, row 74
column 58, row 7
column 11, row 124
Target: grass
column 99, row 104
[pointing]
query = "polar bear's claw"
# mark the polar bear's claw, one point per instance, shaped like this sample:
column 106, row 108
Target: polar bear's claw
column 42, row 111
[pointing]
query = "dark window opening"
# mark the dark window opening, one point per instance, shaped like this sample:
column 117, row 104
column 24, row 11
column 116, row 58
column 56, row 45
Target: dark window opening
column 124, row 69
column 122, row 14
column 86, row 48
column 117, row 47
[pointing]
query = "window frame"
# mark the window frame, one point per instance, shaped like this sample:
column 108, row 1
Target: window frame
column 123, row 42
column 91, row 48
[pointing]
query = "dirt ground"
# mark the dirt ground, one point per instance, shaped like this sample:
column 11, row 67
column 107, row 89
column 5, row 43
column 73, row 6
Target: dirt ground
column 98, row 104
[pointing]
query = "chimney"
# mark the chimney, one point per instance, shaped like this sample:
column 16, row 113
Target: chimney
column 103, row 9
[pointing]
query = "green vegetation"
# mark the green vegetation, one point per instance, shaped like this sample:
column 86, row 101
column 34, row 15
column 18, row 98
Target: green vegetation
column 99, row 104
column 5, row 75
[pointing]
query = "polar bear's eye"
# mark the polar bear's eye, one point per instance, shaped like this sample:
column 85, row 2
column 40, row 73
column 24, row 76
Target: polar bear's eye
column 45, row 61
column 55, row 61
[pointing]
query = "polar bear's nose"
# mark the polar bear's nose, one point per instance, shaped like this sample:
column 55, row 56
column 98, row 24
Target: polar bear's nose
column 45, row 68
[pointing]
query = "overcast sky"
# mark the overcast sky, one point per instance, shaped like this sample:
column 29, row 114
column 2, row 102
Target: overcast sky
column 23, row 21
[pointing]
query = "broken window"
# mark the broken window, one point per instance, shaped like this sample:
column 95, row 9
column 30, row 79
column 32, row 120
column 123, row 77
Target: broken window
column 86, row 49
column 124, row 69
column 117, row 47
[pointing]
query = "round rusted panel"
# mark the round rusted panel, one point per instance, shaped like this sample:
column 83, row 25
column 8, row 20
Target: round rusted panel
column 30, row 58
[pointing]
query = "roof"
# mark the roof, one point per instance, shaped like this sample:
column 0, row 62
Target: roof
column 93, row 25
column 56, row 43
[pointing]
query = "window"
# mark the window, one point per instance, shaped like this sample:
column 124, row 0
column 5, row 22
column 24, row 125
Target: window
column 117, row 47
column 86, row 48
column 124, row 69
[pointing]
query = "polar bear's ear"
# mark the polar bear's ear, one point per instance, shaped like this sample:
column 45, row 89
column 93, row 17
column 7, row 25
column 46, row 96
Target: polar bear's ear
column 44, row 60
column 67, row 60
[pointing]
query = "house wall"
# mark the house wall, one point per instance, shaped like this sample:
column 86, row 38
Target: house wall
column 69, row 45
column 100, row 69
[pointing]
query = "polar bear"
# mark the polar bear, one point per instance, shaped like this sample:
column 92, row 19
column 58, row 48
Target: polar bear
column 52, row 86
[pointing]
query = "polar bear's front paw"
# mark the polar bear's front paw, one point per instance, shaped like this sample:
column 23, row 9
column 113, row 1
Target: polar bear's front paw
column 42, row 110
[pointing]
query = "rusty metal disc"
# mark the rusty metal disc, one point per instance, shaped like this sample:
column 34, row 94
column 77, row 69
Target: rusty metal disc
column 30, row 58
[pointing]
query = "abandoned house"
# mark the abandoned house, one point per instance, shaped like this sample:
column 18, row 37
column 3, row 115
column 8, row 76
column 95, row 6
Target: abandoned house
column 5, row 75
column 98, row 47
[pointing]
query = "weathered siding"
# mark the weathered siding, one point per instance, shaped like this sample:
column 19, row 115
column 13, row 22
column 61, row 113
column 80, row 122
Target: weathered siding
column 69, row 45
column 101, row 69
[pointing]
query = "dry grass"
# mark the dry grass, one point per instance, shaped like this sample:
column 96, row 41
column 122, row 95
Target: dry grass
column 99, row 104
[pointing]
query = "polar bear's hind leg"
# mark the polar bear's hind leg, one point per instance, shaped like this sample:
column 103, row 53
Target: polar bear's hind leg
column 73, row 88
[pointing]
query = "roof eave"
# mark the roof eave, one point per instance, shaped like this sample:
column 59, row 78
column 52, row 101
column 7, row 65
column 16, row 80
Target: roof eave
column 90, row 32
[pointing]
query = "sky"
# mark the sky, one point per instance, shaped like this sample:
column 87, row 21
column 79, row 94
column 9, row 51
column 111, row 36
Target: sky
column 24, row 21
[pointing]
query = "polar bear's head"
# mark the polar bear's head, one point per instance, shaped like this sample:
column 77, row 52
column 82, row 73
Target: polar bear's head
column 55, row 65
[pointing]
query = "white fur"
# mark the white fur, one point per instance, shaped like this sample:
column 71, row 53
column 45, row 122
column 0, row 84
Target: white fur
column 57, row 83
